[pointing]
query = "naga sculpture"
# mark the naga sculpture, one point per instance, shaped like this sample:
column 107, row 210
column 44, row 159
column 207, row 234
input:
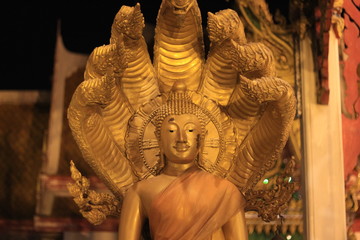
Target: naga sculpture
column 181, row 121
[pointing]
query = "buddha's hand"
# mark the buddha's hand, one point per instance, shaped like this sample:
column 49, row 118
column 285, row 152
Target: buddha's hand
column 265, row 89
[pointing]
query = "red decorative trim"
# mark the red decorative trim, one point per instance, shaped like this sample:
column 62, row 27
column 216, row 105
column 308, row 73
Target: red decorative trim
column 323, row 13
column 356, row 225
column 51, row 224
column 58, row 184
column 7, row 225
column 351, row 96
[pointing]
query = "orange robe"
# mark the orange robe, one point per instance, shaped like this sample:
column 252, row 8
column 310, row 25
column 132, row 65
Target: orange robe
column 193, row 207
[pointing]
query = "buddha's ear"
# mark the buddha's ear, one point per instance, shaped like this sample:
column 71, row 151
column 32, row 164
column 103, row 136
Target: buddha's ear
column 198, row 141
column 200, row 145
column 201, row 139
column 204, row 136
column 157, row 133
column 161, row 163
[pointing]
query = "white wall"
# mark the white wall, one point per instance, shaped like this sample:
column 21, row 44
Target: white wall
column 323, row 155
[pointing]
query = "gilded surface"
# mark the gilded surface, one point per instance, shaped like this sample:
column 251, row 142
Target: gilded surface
column 245, row 110
column 282, row 38
column 93, row 206
column 277, row 37
column 178, row 49
column 352, row 187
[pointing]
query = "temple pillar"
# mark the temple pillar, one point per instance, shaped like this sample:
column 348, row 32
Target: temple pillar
column 323, row 153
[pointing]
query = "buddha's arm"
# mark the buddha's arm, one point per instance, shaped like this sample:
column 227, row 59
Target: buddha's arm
column 235, row 228
column 132, row 217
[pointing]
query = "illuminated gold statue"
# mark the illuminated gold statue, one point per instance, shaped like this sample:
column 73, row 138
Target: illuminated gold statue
column 181, row 142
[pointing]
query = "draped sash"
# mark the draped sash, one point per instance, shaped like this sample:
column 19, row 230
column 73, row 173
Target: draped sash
column 193, row 206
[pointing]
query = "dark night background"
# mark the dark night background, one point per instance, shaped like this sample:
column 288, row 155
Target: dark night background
column 29, row 34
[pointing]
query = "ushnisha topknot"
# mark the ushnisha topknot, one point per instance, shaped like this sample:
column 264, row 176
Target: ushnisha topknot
column 179, row 102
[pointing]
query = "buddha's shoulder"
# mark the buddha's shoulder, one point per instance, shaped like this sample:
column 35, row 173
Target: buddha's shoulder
column 152, row 183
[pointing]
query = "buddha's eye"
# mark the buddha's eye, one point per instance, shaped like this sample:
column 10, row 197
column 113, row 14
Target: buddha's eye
column 191, row 130
column 171, row 130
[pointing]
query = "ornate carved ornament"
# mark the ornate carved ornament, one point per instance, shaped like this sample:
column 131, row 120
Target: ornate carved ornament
column 249, row 110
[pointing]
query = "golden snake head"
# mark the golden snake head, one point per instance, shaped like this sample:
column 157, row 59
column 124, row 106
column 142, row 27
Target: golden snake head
column 181, row 7
column 225, row 24
column 103, row 58
column 129, row 21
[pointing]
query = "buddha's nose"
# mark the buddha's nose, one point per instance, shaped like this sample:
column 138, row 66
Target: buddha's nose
column 181, row 136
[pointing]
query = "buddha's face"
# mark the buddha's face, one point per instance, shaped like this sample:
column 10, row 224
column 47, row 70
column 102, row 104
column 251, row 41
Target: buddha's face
column 180, row 136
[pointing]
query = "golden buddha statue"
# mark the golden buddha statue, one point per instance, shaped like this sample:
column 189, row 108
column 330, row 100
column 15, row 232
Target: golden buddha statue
column 181, row 141
column 180, row 189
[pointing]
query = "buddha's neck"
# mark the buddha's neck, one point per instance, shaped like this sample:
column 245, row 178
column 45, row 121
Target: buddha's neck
column 176, row 169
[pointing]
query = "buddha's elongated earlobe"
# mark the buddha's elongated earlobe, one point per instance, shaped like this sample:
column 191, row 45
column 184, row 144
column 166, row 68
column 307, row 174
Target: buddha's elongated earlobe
column 201, row 138
column 198, row 141
column 161, row 162
column 199, row 147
